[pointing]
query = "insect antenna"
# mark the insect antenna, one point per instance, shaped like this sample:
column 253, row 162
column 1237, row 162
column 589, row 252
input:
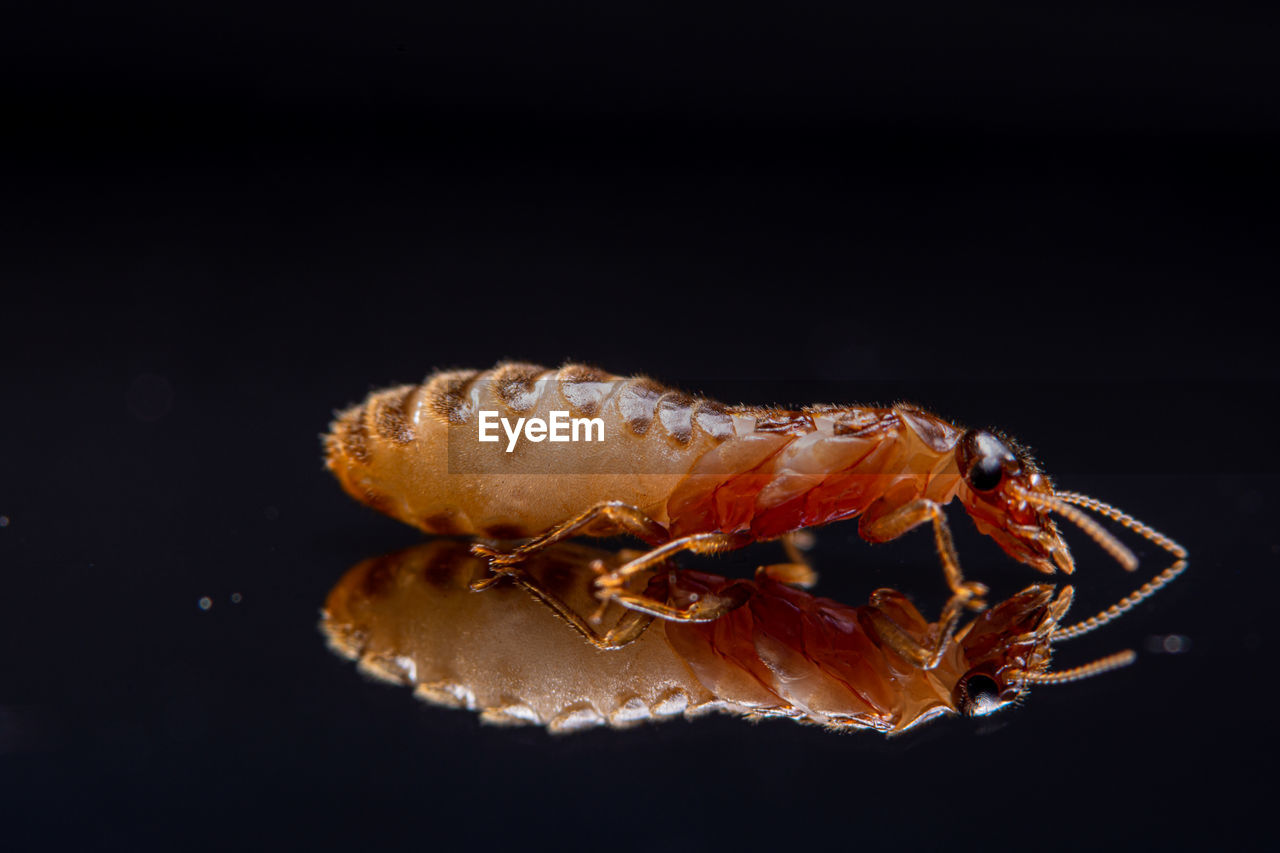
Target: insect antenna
column 1124, row 605
column 1124, row 519
column 1113, row 546
column 1065, row 503
column 1087, row 670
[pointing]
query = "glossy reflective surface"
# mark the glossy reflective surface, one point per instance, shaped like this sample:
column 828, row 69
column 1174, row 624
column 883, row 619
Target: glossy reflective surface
column 527, row 650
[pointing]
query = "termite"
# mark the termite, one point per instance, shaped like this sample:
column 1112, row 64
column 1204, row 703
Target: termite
column 412, row 619
column 689, row 474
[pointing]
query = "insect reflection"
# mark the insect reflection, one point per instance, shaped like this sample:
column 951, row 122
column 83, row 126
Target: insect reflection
column 413, row 618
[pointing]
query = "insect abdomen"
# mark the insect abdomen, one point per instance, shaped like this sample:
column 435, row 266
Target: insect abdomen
column 414, row 453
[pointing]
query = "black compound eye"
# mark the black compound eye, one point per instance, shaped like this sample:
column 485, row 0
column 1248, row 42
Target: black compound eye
column 986, row 473
column 978, row 695
column 984, row 459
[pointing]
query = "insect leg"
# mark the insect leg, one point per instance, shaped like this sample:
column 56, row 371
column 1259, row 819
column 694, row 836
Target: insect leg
column 796, row 571
column 611, row 584
column 622, row 516
column 877, row 527
column 925, row 656
column 628, row 628
column 697, row 543
column 795, row 574
column 706, row 609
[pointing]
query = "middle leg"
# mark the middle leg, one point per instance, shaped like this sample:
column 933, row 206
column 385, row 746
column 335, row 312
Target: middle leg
column 881, row 524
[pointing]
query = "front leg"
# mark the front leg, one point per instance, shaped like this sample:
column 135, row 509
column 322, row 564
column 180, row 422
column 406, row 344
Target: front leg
column 883, row 522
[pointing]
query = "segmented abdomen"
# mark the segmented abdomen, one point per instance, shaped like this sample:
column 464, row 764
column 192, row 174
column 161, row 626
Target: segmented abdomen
column 414, row 453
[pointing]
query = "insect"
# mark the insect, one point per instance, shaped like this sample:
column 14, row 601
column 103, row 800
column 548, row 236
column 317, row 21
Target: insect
column 411, row 618
column 689, row 474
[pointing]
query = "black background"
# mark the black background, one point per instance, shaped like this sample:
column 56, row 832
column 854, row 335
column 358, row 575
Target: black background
column 219, row 222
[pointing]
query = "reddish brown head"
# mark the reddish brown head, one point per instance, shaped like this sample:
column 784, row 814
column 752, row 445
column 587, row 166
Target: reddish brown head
column 1009, row 500
column 998, row 649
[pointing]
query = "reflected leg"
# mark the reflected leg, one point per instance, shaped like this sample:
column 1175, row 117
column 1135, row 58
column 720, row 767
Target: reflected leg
column 923, row 656
column 629, row 627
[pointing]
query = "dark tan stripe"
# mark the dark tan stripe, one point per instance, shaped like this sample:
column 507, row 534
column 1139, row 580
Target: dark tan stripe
column 584, row 388
column 353, row 436
column 450, row 566
column 445, row 395
column 713, row 418
column 505, row 531
column 675, row 412
column 864, row 422
column 583, row 373
column 515, row 385
column 444, row 523
column 783, row 421
column 638, row 402
column 375, row 499
column 389, row 418
column 378, row 577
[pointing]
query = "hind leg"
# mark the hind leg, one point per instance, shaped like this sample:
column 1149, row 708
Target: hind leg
column 641, row 608
column 629, row 627
column 697, row 543
column 708, row 608
column 611, row 515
